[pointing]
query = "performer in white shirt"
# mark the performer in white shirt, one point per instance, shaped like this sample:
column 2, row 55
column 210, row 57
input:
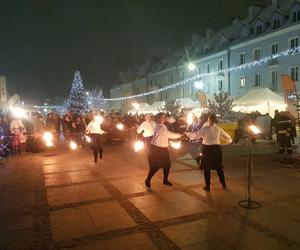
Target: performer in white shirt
column 159, row 153
column 147, row 129
column 212, row 153
column 94, row 130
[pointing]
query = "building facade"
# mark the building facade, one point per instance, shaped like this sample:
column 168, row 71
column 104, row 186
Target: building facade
column 265, row 31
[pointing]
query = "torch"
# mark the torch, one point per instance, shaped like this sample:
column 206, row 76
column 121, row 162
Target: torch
column 73, row 145
column 248, row 203
column 48, row 138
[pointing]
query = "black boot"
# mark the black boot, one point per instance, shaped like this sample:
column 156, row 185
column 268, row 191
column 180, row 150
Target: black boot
column 206, row 188
column 166, row 182
column 148, row 183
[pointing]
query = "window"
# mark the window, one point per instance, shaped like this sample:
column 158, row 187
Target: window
column 276, row 23
column 208, row 68
column 207, row 87
column 242, row 82
column 182, row 75
column 259, row 29
column 220, row 65
column 294, row 42
column 257, row 54
column 274, row 79
column 242, row 58
column 296, row 16
column 257, row 80
column 294, row 73
column 274, row 48
column 206, row 50
column 220, row 85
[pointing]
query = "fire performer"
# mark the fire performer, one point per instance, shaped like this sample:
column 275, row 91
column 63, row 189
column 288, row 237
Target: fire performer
column 212, row 153
column 147, row 129
column 94, row 130
column 159, row 153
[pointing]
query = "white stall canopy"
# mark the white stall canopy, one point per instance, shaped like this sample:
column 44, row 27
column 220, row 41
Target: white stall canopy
column 155, row 107
column 188, row 103
column 262, row 100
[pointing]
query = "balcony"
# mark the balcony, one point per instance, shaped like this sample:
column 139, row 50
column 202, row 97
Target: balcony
column 273, row 62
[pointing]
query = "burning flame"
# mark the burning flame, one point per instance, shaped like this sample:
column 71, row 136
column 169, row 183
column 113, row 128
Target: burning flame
column 176, row 145
column 88, row 139
column 48, row 138
column 189, row 118
column 73, row 145
column 120, row 126
column 255, row 130
column 138, row 146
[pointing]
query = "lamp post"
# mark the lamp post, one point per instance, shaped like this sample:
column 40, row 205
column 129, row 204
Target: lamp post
column 248, row 203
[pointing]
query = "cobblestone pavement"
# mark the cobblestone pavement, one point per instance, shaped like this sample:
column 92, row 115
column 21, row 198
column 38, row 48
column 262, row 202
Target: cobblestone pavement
column 62, row 200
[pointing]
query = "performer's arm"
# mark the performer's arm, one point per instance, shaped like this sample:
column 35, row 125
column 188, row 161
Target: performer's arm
column 226, row 136
column 196, row 135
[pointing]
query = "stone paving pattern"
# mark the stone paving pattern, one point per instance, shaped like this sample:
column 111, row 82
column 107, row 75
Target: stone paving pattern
column 62, row 200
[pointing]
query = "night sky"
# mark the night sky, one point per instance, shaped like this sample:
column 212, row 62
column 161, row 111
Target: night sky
column 42, row 42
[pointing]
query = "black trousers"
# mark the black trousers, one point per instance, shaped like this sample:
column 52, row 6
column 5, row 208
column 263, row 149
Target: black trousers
column 159, row 158
column 284, row 143
column 212, row 160
column 97, row 146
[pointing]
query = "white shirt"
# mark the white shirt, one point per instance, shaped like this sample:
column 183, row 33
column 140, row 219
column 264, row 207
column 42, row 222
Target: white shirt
column 94, row 128
column 148, row 128
column 211, row 135
column 162, row 135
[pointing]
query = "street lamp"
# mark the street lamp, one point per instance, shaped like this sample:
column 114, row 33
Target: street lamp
column 248, row 203
column 191, row 66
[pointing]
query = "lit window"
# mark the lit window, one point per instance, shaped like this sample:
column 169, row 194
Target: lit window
column 220, row 65
column 242, row 82
column 274, row 79
column 296, row 16
column 259, row 29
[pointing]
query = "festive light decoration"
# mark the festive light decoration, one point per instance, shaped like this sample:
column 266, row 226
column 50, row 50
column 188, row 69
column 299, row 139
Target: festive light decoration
column 73, row 145
column 254, row 129
column 78, row 101
column 120, row 126
column 138, row 146
column 197, row 77
column 18, row 112
column 96, row 100
column 175, row 145
column 135, row 105
column 199, row 84
column 88, row 139
column 48, row 138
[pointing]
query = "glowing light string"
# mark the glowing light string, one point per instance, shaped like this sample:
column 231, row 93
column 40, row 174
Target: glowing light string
column 264, row 60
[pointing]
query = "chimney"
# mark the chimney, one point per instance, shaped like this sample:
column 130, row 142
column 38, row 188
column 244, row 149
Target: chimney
column 253, row 11
column 274, row 4
column 209, row 33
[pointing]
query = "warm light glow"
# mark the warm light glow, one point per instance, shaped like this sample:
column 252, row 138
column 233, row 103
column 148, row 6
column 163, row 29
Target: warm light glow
column 199, row 84
column 191, row 66
column 189, row 118
column 18, row 112
column 88, row 139
column 138, row 146
column 120, row 126
column 176, row 145
column 73, row 145
column 99, row 118
column 255, row 130
column 135, row 105
column 48, row 138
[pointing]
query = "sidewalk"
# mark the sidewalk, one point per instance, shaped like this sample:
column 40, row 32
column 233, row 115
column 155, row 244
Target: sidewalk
column 64, row 201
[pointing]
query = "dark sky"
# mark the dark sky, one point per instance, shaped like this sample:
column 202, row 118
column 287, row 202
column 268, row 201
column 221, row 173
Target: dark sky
column 42, row 42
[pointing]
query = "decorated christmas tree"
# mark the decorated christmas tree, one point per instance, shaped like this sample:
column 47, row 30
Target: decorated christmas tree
column 78, row 101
